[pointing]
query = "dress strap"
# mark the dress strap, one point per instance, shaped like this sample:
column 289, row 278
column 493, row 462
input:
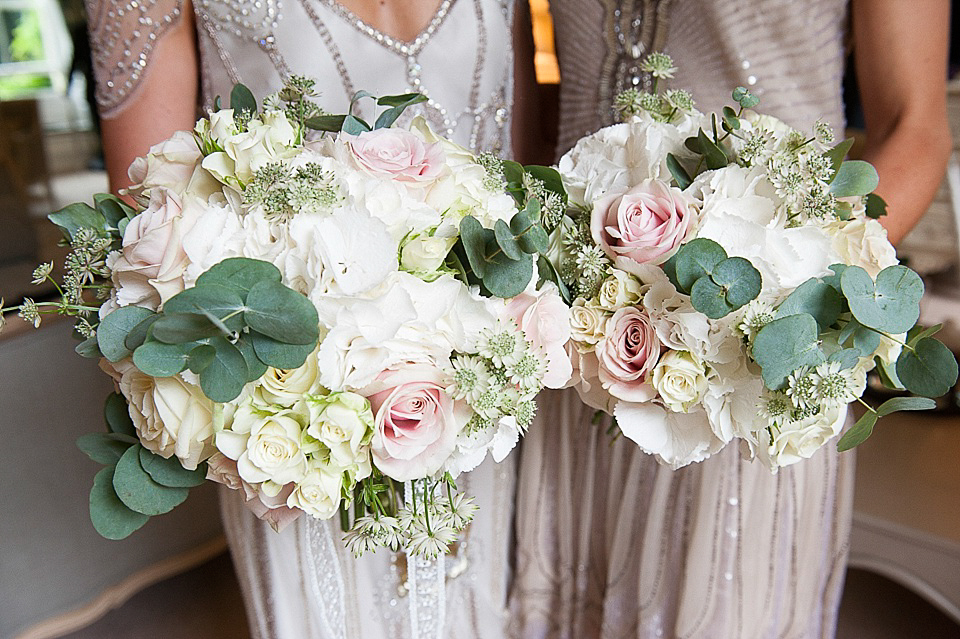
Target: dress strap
column 123, row 34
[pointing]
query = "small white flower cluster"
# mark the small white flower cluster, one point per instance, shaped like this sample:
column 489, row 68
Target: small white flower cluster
column 665, row 107
column 811, row 392
column 500, row 380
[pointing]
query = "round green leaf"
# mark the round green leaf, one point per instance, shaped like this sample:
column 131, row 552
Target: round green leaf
column 709, row 298
column 255, row 367
column 169, row 472
column 240, row 273
column 530, row 235
column 475, row 237
column 103, row 448
column 785, row 345
column 183, row 328
column 138, row 491
column 930, row 369
column 506, row 241
column 281, row 313
column 223, row 304
column 270, row 352
column 138, row 334
column 854, row 177
column 847, row 357
column 157, row 359
column 200, row 357
column 117, row 413
column 695, row 259
column 891, row 305
column 738, row 277
column 114, row 328
column 111, row 518
column 815, row 298
column 224, row 378
column 859, row 432
column 506, row 278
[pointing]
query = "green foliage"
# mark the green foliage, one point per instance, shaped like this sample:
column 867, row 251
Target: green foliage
column 897, row 404
column 815, row 298
column 242, row 99
column 274, row 353
column 854, row 177
column 680, row 175
column 114, row 328
column 117, row 415
column 744, row 98
column 551, row 179
column 76, row 216
column 717, row 284
column 548, row 273
column 104, row 448
column 158, row 359
column 928, row 368
column 223, row 378
column 785, row 345
column 696, row 259
column 349, row 123
column 137, row 489
column 892, row 304
column 859, row 433
column 110, row 516
column 397, row 104
column 837, row 154
column 281, row 313
column 239, row 274
column 169, row 472
column 876, row 206
column 713, row 155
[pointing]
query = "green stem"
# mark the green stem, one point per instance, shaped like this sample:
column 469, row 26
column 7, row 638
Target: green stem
column 426, row 507
column 866, row 405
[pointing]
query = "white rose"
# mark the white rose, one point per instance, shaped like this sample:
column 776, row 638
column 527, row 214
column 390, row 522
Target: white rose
column 797, row 441
column 266, row 447
column 267, row 139
column 862, row 242
column 343, row 422
column 171, row 416
column 618, row 290
column 587, row 324
column 173, row 164
column 283, row 387
column 681, row 380
column 318, row 492
column 425, row 254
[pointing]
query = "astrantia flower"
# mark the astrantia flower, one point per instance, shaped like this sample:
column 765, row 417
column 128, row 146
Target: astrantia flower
column 433, row 542
column 801, row 389
column 756, row 315
column 41, row 273
column 659, row 65
column 823, row 132
column 832, row 385
column 524, row 413
column 775, row 408
column 470, row 377
column 527, row 372
column 359, row 542
column 462, row 510
column 503, row 345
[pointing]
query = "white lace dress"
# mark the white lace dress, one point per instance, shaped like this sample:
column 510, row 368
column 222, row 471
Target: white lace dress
column 301, row 583
column 610, row 544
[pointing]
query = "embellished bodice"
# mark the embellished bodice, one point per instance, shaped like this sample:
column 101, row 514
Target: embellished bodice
column 789, row 53
column 462, row 60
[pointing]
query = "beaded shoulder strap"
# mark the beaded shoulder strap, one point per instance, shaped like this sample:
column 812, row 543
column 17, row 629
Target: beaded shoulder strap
column 123, row 34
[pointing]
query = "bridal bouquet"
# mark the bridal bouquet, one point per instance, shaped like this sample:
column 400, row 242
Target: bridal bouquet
column 336, row 322
column 730, row 281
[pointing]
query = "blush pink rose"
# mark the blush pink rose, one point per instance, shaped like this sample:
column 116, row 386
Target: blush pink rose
column 545, row 322
column 627, row 355
column 149, row 269
column 645, row 225
column 398, row 154
column 416, row 421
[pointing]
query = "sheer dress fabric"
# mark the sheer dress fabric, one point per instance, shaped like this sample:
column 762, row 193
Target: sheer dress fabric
column 610, row 544
column 301, row 583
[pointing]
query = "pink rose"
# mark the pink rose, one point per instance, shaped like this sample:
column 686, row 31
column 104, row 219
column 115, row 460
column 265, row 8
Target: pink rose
column 417, row 422
column 647, row 224
column 545, row 322
column 398, row 154
column 149, row 269
column 628, row 354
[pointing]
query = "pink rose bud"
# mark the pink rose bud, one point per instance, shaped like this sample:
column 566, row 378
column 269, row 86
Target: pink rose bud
column 399, row 154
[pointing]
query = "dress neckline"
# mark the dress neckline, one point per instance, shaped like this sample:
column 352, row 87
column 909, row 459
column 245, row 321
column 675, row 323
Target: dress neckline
column 411, row 47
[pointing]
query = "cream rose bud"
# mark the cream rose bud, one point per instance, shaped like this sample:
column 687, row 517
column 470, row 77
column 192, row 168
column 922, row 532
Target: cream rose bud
column 344, row 423
column 647, row 224
column 425, row 254
column 170, row 164
column 150, row 266
column 587, row 324
column 318, row 493
column 285, row 387
column 797, row 441
column 266, row 447
column 171, row 416
column 627, row 355
column 681, row 380
column 862, row 242
column 398, row 154
column 618, row 290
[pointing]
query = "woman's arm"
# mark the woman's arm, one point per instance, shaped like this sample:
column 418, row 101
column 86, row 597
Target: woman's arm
column 900, row 48
column 165, row 101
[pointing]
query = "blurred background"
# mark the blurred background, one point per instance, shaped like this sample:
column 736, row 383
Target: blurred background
column 58, row 578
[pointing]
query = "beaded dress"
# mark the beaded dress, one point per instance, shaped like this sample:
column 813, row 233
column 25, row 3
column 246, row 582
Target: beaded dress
column 609, row 543
column 302, row 583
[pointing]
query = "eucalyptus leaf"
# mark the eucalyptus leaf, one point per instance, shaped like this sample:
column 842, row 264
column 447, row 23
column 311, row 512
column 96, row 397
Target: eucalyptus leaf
column 897, row 404
column 785, row 345
column 475, row 238
column 876, row 206
column 713, row 155
column 834, row 279
column 281, row 313
column 158, row 359
column 354, row 125
column 837, row 153
column 816, row 298
column 530, row 235
column 222, row 303
column 930, row 369
column 88, row 348
column 116, row 412
column 138, row 334
column 888, row 374
column 709, row 298
column 170, row 472
column 113, row 329
column 103, row 448
column 242, row 99
column 506, row 241
column 276, row 354
column 680, row 175
column 110, row 516
column 892, row 304
column 138, row 491
column 113, row 209
column 239, row 274
column 918, row 333
column 183, row 327
column 859, row 432
column 854, row 177
column 200, row 357
column 846, row 357
column 866, row 340
column 505, row 277
column 695, row 259
column 223, row 379
column 76, row 216
column 548, row 273
column 330, row 123
column 739, row 279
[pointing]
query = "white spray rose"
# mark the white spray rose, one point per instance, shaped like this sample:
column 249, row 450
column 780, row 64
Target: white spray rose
column 265, row 445
column 285, row 387
column 618, row 290
column 425, row 254
column 797, row 441
column 318, row 492
column 587, row 324
column 343, row 422
column 862, row 242
column 681, row 380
